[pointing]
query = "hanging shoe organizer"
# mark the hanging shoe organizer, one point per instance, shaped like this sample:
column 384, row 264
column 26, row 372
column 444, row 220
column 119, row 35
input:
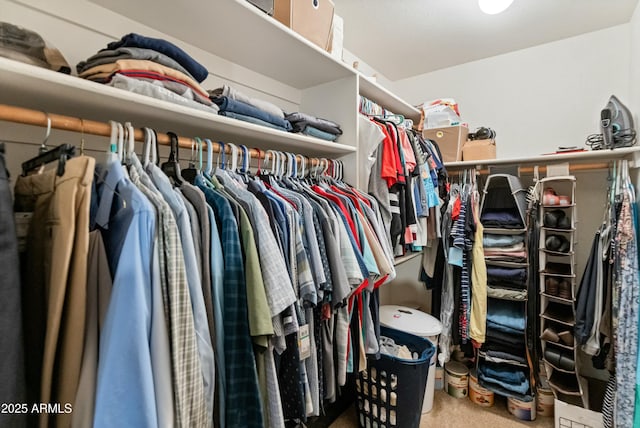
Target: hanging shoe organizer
column 503, row 361
column 558, row 289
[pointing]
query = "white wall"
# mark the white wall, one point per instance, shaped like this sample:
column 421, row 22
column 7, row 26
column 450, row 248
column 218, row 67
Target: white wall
column 634, row 78
column 538, row 98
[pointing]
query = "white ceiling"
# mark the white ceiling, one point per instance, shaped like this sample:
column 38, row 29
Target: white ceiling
column 404, row 38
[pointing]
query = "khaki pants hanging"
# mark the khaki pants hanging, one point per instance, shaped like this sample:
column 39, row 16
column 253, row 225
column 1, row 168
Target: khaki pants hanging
column 54, row 283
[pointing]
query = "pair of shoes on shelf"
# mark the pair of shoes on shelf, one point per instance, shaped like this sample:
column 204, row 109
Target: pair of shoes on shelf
column 549, row 334
column 557, row 243
column 558, row 287
column 556, row 219
column 560, row 359
column 550, row 197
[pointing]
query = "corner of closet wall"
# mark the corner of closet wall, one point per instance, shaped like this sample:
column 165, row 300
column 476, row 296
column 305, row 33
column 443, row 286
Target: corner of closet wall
column 363, row 67
column 338, row 101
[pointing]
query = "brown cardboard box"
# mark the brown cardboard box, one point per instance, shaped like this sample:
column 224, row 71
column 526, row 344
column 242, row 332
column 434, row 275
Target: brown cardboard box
column 312, row 19
column 449, row 139
column 479, row 150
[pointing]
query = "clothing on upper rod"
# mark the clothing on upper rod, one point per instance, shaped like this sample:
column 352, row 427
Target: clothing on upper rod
column 207, row 288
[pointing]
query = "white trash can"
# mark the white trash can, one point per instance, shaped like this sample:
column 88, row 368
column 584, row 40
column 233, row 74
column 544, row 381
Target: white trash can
column 420, row 324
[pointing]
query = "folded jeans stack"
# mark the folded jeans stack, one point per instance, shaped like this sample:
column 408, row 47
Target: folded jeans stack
column 505, row 316
column 314, row 126
column 508, row 379
column 246, row 112
column 152, row 67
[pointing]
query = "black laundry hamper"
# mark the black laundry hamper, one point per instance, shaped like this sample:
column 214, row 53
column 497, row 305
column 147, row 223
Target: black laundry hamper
column 390, row 391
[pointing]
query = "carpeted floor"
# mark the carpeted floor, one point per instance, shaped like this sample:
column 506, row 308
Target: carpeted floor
column 449, row 412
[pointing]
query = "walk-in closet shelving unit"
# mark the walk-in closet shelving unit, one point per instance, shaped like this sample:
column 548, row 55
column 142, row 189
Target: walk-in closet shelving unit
column 268, row 57
column 504, row 193
column 558, row 289
column 585, row 167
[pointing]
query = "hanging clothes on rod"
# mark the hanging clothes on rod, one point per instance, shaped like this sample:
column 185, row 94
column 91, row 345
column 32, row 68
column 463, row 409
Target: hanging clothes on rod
column 238, row 299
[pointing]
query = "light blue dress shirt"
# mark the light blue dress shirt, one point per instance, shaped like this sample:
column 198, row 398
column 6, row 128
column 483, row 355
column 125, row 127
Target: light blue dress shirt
column 125, row 394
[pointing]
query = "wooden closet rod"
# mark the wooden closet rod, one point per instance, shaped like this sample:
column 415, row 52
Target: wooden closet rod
column 67, row 123
column 530, row 169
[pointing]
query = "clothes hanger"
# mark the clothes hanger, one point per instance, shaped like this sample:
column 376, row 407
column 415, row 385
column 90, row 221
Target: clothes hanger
column 246, row 159
column 221, row 154
column 172, row 167
column 234, row 157
column 120, row 148
column 303, row 167
column 61, row 154
column 259, row 171
column 189, row 174
column 146, row 147
column 155, row 157
column 209, row 157
column 43, row 147
column 131, row 142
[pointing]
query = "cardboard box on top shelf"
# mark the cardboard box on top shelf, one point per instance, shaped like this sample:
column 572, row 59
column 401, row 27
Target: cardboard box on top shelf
column 450, row 140
column 264, row 5
column 479, row 150
column 312, row 19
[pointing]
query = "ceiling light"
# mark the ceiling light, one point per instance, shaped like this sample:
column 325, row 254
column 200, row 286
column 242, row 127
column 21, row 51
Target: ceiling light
column 493, row 7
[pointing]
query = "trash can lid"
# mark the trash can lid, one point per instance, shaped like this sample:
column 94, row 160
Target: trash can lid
column 409, row 320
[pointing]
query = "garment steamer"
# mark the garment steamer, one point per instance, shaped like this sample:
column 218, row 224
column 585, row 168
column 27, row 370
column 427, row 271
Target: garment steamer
column 616, row 124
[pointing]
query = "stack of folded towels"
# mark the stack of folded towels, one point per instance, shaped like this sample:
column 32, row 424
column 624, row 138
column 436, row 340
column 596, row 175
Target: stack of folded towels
column 152, row 67
column 233, row 103
column 314, row 126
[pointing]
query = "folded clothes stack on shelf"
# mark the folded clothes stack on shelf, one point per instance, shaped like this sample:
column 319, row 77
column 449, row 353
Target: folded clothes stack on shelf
column 504, row 248
column 233, row 103
column 152, row 67
column 314, row 126
column 503, row 365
